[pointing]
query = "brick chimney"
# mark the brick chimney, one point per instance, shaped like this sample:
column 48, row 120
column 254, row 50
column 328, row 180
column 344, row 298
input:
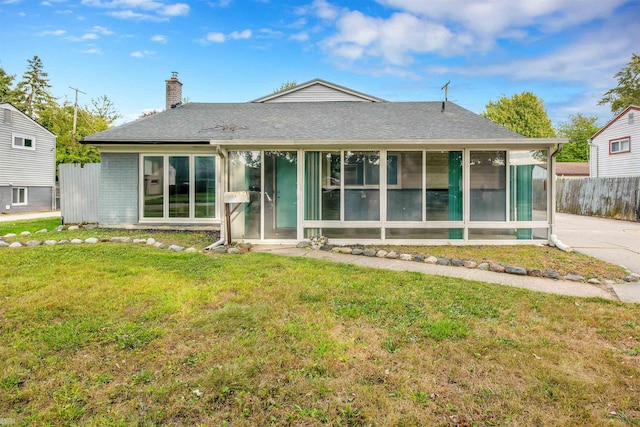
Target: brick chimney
column 174, row 91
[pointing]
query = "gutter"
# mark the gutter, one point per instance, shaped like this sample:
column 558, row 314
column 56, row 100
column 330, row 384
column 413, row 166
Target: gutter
column 553, row 238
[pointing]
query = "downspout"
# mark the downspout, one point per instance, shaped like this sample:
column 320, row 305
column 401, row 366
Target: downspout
column 553, row 238
column 592, row 145
column 222, row 153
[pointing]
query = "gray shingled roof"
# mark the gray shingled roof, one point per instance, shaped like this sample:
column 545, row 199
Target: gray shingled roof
column 306, row 121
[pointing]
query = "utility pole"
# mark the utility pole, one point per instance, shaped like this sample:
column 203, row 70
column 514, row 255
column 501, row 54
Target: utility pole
column 75, row 113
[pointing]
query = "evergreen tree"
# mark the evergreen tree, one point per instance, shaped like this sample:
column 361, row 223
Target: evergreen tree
column 6, row 80
column 523, row 113
column 32, row 92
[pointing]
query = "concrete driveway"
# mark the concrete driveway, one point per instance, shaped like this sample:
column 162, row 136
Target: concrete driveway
column 617, row 242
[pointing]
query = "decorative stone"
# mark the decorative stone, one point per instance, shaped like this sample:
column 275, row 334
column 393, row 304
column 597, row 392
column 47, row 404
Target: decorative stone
column 7, row 236
column 629, row 279
column 346, row 250
column 159, row 245
column 151, row 241
column 391, row 255
column 535, row 272
column 484, row 266
column 25, row 233
column 635, row 275
column 469, row 264
column 325, row 248
column 496, row 268
column 44, row 230
column 573, row 277
column 73, row 228
column 91, row 240
column 234, row 251
column 220, row 250
column 431, row 260
column 457, row 262
column 121, row 239
column 175, row 248
column 369, row 252
column 335, row 250
column 551, row 274
column 3, row 244
column 443, row 261
column 50, row 242
column 191, row 250
column 63, row 242
column 405, row 257
column 357, row 251
column 418, row 258
column 32, row 243
column 303, row 245
column 15, row 245
column 381, row 253
column 76, row 241
column 139, row 241
column 594, row 281
column 520, row 271
column 59, row 228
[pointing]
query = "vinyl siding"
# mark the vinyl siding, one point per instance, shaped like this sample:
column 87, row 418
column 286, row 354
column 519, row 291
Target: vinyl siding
column 38, row 199
column 317, row 93
column 118, row 197
column 22, row 167
column 602, row 163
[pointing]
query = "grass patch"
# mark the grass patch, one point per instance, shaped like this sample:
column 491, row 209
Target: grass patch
column 30, row 225
column 130, row 335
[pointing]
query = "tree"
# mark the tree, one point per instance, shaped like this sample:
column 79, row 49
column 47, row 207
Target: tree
column 523, row 113
column 91, row 119
column 578, row 130
column 32, row 92
column 6, row 80
column 286, row 86
column 628, row 90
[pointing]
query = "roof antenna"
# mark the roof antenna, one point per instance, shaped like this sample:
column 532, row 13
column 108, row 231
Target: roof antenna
column 446, row 94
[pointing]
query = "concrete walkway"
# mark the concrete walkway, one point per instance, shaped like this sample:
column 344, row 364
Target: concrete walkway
column 561, row 287
column 32, row 215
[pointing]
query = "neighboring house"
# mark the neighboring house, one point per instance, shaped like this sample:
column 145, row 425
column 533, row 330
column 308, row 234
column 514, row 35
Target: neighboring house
column 322, row 159
column 572, row 170
column 27, row 163
column 615, row 148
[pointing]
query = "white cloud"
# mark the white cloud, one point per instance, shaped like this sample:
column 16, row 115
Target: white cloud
column 52, row 33
column 101, row 30
column 93, row 51
column 140, row 10
column 142, row 53
column 215, row 38
column 90, row 36
column 237, row 35
column 302, row 36
column 159, row 38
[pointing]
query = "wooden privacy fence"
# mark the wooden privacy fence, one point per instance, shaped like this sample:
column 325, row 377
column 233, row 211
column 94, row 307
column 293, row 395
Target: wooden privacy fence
column 617, row 198
column 79, row 192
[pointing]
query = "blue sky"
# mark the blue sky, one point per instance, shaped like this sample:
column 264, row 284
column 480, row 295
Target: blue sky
column 565, row 51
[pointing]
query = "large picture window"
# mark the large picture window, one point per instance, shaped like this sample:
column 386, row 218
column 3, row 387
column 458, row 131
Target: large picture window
column 178, row 187
column 488, row 171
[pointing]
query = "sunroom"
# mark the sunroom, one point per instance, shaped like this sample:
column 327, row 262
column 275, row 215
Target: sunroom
column 410, row 195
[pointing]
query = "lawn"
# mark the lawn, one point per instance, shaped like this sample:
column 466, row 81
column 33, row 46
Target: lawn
column 120, row 335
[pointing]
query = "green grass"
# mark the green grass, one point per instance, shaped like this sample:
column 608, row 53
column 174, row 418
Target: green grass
column 117, row 334
column 31, row 226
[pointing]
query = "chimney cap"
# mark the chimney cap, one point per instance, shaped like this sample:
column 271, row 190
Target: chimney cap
column 174, row 75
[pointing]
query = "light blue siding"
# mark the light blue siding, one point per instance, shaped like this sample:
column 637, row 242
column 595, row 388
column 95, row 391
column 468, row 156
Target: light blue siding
column 119, row 189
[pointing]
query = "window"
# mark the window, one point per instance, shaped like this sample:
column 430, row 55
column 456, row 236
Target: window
column 23, row 141
column 178, row 187
column 488, row 192
column 622, row 145
column 18, row 196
